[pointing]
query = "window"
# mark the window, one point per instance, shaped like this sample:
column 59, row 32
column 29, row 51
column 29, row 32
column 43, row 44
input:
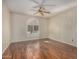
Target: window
column 32, row 28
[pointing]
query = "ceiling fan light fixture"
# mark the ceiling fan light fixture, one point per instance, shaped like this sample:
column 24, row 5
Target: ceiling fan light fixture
column 41, row 8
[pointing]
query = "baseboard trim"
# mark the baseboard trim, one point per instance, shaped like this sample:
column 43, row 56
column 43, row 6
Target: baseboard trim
column 5, row 48
column 24, row 40
column 62, row 41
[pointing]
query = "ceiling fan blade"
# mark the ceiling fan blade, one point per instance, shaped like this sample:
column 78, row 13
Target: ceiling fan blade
column 35, row 13
column 36, row 6
column 46, row 12
column 48, row 5
column 35, row 1
column 33, row 10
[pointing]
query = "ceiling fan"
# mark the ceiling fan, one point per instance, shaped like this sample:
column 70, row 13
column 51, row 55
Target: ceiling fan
column 41, row 7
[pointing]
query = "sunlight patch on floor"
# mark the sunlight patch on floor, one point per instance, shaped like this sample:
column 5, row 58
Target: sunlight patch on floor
column 33, row 51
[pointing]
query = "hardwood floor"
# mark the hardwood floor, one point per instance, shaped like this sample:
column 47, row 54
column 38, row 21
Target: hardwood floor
column 40, row 49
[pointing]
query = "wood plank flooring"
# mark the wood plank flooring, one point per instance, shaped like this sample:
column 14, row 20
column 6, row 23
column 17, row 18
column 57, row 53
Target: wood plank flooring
column 40, row 49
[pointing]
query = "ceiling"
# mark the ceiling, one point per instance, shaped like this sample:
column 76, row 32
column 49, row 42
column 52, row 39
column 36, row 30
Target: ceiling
column 25, row 6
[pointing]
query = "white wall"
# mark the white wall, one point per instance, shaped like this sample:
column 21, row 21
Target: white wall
column 44, row 28
column 62, row 27
column 5, row 27
column 19, row 30
column 18, row 27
